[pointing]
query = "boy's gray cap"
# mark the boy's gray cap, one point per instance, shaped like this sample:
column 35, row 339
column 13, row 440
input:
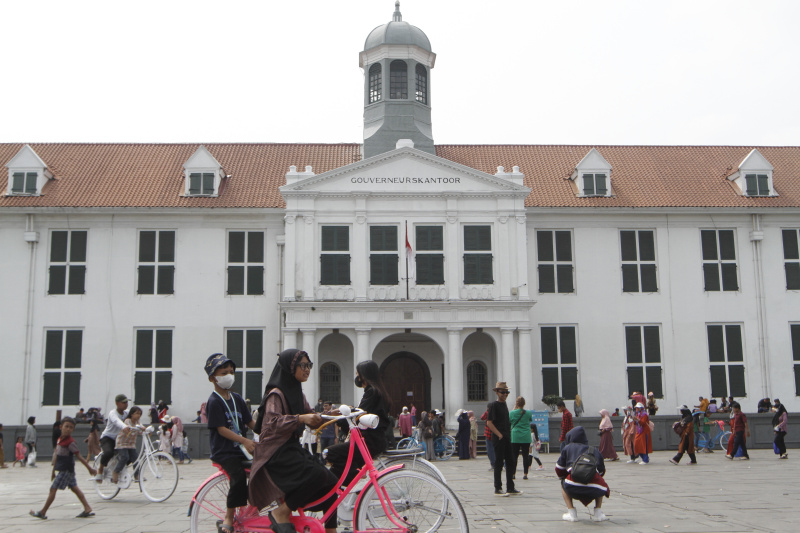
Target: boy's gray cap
column 215, row 361
column 121, row 398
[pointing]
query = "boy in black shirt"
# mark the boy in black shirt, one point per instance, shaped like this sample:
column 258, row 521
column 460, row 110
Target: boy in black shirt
column 228, row 418
column 500, row 427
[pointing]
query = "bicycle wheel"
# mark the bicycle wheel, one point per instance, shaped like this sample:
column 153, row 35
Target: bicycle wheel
column 723, row 440
column 449, row 446
column 210, row 505
column 407, row 442
column 106, row 489
column 701, row 441
column 418, row 499
column 417, row 464
column 158, row 476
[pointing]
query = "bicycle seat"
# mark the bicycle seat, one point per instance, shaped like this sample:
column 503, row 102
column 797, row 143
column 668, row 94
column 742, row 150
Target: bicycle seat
column 404, row 451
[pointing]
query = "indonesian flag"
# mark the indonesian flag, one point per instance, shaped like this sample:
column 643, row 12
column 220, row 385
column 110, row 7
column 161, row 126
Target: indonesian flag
column 411, row 264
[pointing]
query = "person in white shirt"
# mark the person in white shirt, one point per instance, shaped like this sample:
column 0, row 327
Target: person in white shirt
column 114, row 424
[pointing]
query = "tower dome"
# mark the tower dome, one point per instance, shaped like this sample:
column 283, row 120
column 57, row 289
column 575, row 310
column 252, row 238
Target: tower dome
column 397, row 32
column 397, row 60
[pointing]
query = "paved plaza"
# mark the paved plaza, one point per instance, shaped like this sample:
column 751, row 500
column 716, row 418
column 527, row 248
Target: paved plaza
column 715, row 496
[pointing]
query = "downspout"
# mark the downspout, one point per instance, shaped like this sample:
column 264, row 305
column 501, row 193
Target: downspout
column 281, row 239
column 31, row 237
column 756, row 236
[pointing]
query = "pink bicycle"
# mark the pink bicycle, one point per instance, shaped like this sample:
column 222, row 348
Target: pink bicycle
column 391, row 500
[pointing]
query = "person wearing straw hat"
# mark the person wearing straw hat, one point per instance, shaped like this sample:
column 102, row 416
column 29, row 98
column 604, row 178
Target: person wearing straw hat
column 500, row 426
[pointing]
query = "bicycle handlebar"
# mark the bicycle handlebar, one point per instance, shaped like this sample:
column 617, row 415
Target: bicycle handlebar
column 354, row 414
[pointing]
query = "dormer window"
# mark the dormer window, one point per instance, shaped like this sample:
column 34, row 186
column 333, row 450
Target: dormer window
column 203, row 174
column 754, row 176
column 595, row 184
column 592, row 176
column 27, row 173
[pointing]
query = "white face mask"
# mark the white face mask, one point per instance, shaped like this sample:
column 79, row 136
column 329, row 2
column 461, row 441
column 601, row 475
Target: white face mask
column 226, row 381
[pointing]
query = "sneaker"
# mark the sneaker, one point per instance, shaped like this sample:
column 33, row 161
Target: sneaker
column 729, row 457
column 491, row 468
column 499, row 492
column 692, row 462
column 598, row 515
column 631, row 461
column 525, row 476
column 746, row 458
column 514, row 492
column 540, row 467
column 643, row 463
column 570, row 516
column 673, row 461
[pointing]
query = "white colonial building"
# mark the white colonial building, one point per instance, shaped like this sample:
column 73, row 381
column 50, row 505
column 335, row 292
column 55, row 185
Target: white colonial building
column 592, row 270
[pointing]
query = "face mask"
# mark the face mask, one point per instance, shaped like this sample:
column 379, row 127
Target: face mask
column 359, row 382
column 226, row 381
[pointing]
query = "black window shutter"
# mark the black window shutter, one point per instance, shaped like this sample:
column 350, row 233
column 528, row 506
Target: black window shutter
column 736, row 380
column 485, row 275
column 711, row 276
column 792, row 276
column 470, row 269
column 630, row 278
column 719, row 382
column 633, row 344
column 653, row 374
column 166, row 246
column 647, row 246
column 795, row 329
column 142, row 388
column 30, row 182
column 588, row 184
column 649, row 283
column 549, row 345
column 563, row 246
column 194, row 184
column 235, row 347
column 652, row 344
column 18, row 182
column 565, row 278
column 790, row 248
column 255, row 246
column 544, row 245
column 164, row 348
column 238, row 384
column 236, row 247
column 144, row 348
column 752, row 187
column 602, row 189
column 73, row 348
column 733, row 342
column 253, row 384
column 255, row 279
column 716, row 347
column 326, row 270
column 635, row 379
column 708, row 239
column 235, row 280
column 77, row 279
column 72, row 388
column 550, row 384
column 763, row 185
column 147, row 246
column 342, row 269
column 569, row 382
column 797, row 380
column 547, row 281
column 255, row 348
column 164, row 386
column 52, row 348
column 51, row 388
column 58, row 279
column 566, row 338
column 166, row 279
column 730, row 281
column 424, row 273
column 147, row 279
column 77, row 248
column 58, row 246
column 208, row 183
column 727, row 249
column 628, row 245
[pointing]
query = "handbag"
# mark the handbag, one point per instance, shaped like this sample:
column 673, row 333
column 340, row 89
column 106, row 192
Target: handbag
column 538, row 446
column 32, row 457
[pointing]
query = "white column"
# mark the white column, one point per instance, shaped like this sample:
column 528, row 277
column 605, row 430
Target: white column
column 310, row 347
column 509, row 374
column 308, row 243
column 455, row 376
column 453, row 280
column 502, row 274
column 361, row 354
column 289, row 338
column 289, row 260
column 526, row 380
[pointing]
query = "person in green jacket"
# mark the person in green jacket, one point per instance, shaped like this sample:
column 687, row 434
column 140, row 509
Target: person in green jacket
column 521, row 435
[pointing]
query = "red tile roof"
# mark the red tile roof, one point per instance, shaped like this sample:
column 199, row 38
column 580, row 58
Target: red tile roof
column 151, row 175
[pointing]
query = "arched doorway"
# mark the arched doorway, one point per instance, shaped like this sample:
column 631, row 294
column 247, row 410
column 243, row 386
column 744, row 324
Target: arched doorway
column 407, row 379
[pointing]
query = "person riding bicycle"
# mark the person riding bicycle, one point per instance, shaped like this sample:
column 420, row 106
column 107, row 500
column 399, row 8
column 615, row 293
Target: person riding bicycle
column 228, row 418
column 375, row 401
column 115, row 424
column 281, row 467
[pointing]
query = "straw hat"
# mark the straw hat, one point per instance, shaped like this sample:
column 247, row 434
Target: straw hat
column 501, row 386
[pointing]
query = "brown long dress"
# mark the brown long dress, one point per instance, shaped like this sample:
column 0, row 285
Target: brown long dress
column 93, row 443
column 607, row 445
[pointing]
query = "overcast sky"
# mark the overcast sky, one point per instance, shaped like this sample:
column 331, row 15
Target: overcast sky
column 507, row 72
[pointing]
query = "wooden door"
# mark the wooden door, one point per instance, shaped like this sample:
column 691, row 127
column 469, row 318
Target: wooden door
column 405, row 380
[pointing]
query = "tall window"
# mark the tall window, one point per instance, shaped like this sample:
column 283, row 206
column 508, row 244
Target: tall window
column 643, row 350
column 555, row 261
column 152, row 378
column 757, row 184
column 430, row 255
column 246, row 262
column 559, row 361
column 330, row 384
column 245, row 347
column 595, row 185
column 201, row 183
column 791, row 259
column 24, row 182
column 62, row 367
column 156, row 262
column 638, row 261
column 795, row 330
column 726, row 360
column 335, row 258
column 719, row 260
column 477, row 385
column 478, row 255
column 67, row 262
column 398, row 80
column 422, row 84
column 383, row 257
column 375, row 83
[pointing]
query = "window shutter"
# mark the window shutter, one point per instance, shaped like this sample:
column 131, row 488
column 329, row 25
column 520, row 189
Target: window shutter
column 652, row 345
column 649, row 283
column 164, row 348
column 477, row 238
column 588, row 184
column 235, row 280
column 52, row 348
column 73, row 348
column 711, row 276
column 719, row 382
column 566, row 338
column 730, row 281
column 635, row 379
column 77, row 248
column 255, row 348
column 236, row 247
column 58, row 246
column 234, row 348
column 600, row 179
column 653, row 374
column 166, row 279
column 544, row 245
column 238, row 384
column 647, row 246
column 147, row 279
column 563, row 246
column 550, row 383
column 144, row 349
column 194, row 183
column 549, row 345
column 630, row 278
column 72, row 388
column 763, row 185
column 752, row 185
column 633, row 344
column 30, row 182
column 255, row 280
column 790, row 248
column 716, row 350
column 792, row 276
column 77, row 278
column 628, row 245
column 733, row 342
column 58, row 280
column 470, row 269
column 164, row 386
column 727, row 249
column 565, row 279
column 208, row 183
column 795, row 329
column 166, row 246
column 708, row 239
column 147, row 246
column 569, row 382
column 736, row 381
column 252, row 381
column 18, row 182
column 547, row 282
column 142, row 388
column 51, row 388
column 255, row 246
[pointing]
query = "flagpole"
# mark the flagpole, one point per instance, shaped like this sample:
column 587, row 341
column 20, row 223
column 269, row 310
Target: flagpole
column 406, row 254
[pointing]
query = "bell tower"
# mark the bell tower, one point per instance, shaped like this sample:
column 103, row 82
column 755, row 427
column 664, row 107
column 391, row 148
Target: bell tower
column 397, row 62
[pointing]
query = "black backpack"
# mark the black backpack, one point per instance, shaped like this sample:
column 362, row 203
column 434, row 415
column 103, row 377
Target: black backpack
column 585, row 467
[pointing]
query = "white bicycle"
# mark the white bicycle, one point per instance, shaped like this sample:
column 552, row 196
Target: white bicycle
column 155, row 471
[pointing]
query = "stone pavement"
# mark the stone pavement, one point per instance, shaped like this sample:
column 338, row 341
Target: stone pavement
column 715, row 496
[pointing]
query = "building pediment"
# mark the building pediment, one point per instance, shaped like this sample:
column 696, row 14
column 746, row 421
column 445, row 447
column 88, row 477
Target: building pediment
column 405, row 171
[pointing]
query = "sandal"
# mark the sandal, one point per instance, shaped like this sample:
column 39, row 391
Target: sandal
column 38, row 514
column 85, row 514
column 224, row 528
column 286, row 527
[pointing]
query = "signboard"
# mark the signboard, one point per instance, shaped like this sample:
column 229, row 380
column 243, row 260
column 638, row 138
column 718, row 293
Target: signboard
column 542, row 421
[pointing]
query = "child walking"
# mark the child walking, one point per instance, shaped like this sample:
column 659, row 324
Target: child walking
column 64, row 464
column 19, row 453
column 185, row 447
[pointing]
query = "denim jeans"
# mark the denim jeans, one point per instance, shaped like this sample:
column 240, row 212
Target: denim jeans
column 490, row 451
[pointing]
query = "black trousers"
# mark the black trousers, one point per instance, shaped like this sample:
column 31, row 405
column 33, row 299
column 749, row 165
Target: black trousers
column 738, row 442
column 779, row 435
column 237, row 494
column 525, row 448
column 107, row 445
column 503, row 456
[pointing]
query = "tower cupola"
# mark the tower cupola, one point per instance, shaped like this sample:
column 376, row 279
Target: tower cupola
column 397, row 60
